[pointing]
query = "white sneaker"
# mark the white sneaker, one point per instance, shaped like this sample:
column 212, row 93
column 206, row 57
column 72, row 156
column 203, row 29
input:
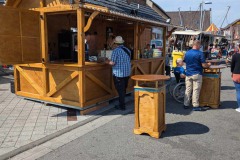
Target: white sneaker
column 238, row 109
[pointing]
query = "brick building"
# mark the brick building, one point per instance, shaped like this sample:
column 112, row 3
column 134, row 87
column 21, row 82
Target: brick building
column 190, row 19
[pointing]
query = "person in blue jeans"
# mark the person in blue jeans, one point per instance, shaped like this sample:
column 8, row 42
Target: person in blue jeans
column 235, row 69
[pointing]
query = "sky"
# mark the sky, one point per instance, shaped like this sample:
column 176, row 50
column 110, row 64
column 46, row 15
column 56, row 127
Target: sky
column 219, row 8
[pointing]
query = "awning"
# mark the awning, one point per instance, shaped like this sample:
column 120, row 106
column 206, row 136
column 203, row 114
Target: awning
column 212, row 28
column 187, row 32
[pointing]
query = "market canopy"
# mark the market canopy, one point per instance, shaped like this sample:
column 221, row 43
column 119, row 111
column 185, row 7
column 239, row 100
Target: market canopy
column 187, row 32
column 212, row 28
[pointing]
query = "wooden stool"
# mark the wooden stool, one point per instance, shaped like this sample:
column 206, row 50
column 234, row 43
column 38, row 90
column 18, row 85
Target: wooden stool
column 150, row 102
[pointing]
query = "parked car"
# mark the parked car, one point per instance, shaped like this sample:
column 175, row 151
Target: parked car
column 158, row 43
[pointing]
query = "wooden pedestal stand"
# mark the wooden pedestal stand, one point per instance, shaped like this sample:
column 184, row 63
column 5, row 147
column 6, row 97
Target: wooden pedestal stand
column 150, row 104
column 211, row 87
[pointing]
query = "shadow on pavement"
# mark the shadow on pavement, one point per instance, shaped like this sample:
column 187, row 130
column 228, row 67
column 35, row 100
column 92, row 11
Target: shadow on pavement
column 228, row 105
column 227, row 88
column 174, row 107
column 184, row 128
column 5, row 79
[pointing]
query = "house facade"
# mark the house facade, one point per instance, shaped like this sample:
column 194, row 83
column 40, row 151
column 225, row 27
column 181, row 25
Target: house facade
column 232, row 31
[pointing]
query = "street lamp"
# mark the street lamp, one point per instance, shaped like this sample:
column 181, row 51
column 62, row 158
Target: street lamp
column 202, row 16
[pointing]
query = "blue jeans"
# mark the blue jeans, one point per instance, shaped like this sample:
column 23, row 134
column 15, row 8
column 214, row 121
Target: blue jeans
column 237, row 86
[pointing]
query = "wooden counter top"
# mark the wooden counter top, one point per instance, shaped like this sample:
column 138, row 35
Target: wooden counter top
column 214, row 60
column 216, row 67
column 150, row 77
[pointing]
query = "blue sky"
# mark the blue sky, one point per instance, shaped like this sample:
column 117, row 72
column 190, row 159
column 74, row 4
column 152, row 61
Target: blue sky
column 219, row 8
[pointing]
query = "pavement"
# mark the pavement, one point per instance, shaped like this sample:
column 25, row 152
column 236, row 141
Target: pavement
column 26, row 123
column 213, row 134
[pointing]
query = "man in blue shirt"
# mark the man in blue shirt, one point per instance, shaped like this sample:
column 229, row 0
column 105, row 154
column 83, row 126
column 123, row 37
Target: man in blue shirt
column 195, row 62
column 121, row 69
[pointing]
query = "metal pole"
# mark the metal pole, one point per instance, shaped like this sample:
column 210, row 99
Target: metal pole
column 203, row 18
column 181, row 24
column 200, row 23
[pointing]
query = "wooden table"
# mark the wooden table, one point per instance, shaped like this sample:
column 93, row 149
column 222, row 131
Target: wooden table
column 150, row 102
column 211, row 87
column 214, row 61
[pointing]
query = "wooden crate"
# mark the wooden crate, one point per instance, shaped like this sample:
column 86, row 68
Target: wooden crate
column 210, row 92
column 150, row 111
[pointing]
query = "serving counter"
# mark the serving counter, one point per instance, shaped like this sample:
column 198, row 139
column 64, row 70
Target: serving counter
column 74, row 86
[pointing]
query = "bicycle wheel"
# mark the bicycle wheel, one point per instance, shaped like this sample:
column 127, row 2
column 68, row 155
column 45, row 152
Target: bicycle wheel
column 179, row 92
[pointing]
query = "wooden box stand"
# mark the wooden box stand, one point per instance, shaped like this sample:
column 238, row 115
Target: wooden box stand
column 150, row 106
column 210, row 92
column 211, row 87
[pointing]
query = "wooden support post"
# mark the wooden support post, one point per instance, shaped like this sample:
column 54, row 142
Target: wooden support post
column 45, row 80
column 81, row 54
column 16, row 79
column 164, row 42
column 44, row 41
column 81, row 36
column 42, row 3
column 44, row 49
column 136, row 41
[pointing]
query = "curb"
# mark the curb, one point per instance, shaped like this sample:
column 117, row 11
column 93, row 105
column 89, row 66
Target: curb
column 58, row 133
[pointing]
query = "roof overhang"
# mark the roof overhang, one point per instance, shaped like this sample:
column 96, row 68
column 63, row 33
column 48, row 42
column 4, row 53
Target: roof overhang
column 187, row 32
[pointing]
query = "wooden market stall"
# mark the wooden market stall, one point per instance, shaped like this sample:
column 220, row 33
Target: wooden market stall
column 45, row 39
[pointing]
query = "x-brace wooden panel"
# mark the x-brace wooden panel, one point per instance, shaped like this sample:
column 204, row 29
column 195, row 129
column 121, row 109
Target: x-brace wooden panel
column 30, row 80
column 98, row 82
column 63, row 83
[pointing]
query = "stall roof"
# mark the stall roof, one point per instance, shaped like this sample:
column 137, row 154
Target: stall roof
column 187, row 32
column 123, row 7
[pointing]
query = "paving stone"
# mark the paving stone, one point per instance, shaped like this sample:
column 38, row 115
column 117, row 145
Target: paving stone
column 11, row 133
column 24, row 137
column 16, row 129
column 12, row 117
column 51, row 127
column 6, row 150
column 37, row 132
column 8, row 144
column 24, row 133
column 40, row 124
column 37, row 137
column 22, row 143
column 11, row 138
column 29, row 124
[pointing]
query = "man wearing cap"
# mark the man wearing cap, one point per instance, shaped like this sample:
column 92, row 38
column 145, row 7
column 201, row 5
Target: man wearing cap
column 121, row 69
column 195, row 62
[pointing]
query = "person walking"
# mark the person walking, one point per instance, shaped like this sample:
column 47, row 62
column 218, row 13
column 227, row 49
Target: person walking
column 235, row 69
column 121, row 69
column 195, row 62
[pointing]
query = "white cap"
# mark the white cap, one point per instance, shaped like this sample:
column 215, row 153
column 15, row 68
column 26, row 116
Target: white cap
column 119, row 40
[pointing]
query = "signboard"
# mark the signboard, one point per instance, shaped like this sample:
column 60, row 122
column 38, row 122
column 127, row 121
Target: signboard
column 142, row 2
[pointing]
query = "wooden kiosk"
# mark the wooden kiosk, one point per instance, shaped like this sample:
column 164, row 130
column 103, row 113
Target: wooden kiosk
column 29, row 38
column 211, row 86
column 150, row 104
